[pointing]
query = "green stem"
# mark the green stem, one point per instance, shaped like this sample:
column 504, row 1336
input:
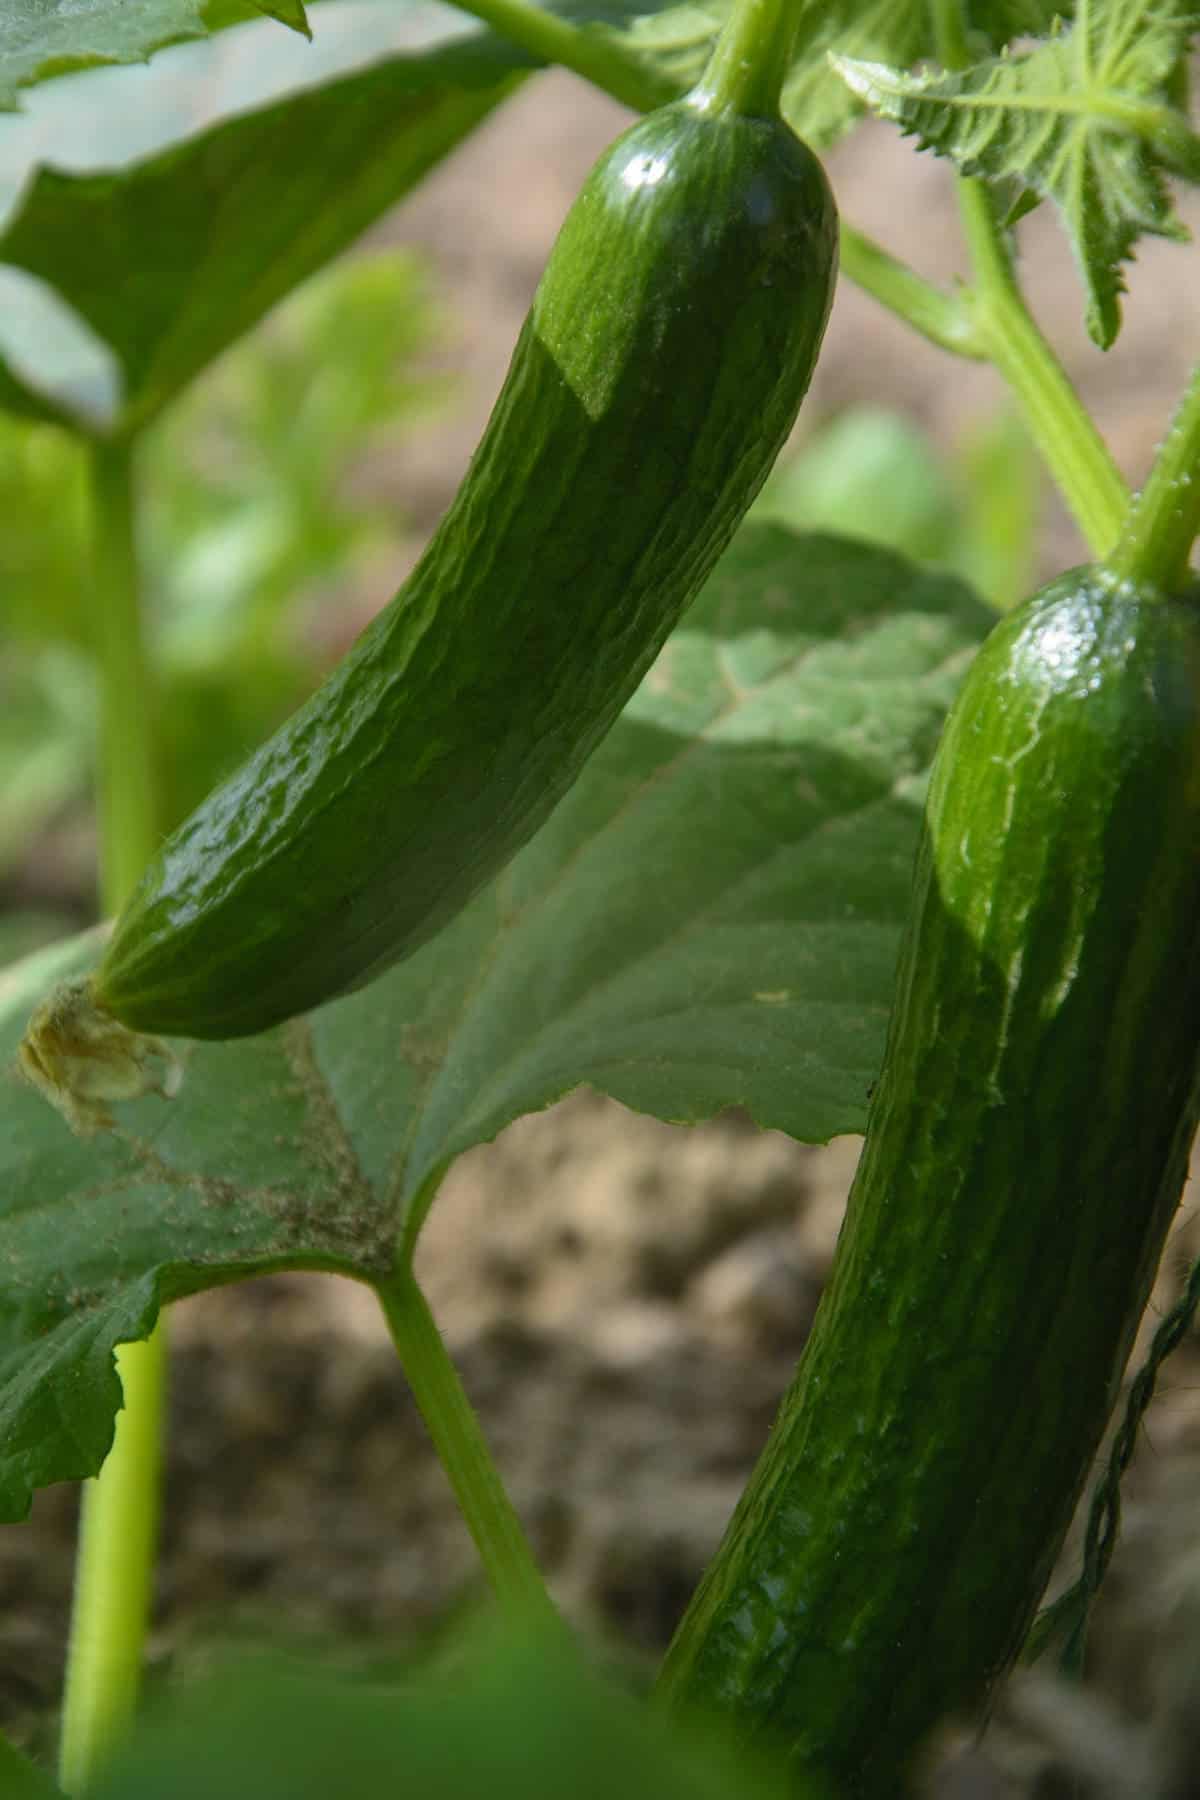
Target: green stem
column 750, row 58
column 463, row 1452
column 1165, row 518
column 598, row 59
column 114, row 1567
column 950, row 33
column 942, row 318
column 1060, row 425
column 119, row 1517
column 127, row 806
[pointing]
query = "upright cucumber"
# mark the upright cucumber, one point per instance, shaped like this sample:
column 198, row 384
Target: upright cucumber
column 1026, row 1149
column 660, row 369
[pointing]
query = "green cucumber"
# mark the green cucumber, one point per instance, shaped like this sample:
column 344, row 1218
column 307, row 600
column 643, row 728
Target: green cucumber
column 660, row 369
column 1026, row 1149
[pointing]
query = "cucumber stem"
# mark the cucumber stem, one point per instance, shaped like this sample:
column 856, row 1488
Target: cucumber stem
column 118, row 1529
column 1163, row 522
column 746, row 70
column 463, row 1453
column 597, row 58
column 940, row 317
column 127, row 803
column 1060, row 425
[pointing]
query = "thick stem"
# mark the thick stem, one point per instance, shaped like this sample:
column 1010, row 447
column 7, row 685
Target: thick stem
column 463, row 1452
column 1161, row 528
column 119, row 1515
column 750, row 58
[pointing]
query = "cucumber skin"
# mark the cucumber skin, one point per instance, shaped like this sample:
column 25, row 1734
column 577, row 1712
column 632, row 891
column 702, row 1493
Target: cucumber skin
column 662, row 365
column 1026, row 1149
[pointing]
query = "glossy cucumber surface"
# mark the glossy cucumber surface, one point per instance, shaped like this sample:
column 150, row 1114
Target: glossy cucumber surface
column 1026, row 1150
column 660, row 369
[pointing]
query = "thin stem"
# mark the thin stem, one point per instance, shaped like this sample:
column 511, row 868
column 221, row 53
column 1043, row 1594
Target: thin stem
column 750, row 58
column 942, row 318
column 114, row 1567
column 119, row 1515
column 598, row 59
column 950, row 33
column 463, row 1452
column 128, row 810
column 1060, row 425
column 1165, row 518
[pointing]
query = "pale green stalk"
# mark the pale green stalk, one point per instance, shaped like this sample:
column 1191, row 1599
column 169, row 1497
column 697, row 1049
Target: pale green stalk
column 1059, row 424
column 1165, row 519
column 119, row 1515
column 750, row 58
column 459, row 1441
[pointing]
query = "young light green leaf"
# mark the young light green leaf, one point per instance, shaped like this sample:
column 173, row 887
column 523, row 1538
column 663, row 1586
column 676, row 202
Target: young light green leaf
column 710, row 918
column 1085, row 120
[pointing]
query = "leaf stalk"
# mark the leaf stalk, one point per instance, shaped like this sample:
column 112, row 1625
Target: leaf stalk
column 118, row 1531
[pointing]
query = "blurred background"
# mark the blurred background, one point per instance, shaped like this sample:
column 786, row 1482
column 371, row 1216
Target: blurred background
column 625, row 1300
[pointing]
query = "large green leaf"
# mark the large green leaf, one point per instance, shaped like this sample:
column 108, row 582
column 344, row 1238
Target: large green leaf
column 165, row 259
column 509, row 1717
column 710, row 918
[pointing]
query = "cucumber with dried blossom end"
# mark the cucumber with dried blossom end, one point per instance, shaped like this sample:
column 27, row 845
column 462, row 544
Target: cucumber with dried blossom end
column 1026, row 1149
column 660, row 369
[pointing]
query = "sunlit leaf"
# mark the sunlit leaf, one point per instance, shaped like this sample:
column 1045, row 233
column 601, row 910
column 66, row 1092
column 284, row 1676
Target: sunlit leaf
column 1085, row 120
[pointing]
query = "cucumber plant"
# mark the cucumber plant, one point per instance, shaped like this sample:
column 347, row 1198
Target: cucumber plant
column 551, row 667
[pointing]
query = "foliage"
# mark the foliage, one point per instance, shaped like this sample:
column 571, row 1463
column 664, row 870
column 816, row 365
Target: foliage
column 1086, row 119
column 731, row 868
column 712, row 915
column 250, row 518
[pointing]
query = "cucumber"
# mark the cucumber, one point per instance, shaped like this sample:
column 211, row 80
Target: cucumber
column 660, row 369
column 1027, row 1145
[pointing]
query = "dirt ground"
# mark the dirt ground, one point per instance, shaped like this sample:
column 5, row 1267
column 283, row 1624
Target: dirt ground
column 625, row 1300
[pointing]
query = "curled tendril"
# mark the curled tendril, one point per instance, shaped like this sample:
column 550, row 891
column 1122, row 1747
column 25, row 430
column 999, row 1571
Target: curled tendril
column 1067, row 1617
